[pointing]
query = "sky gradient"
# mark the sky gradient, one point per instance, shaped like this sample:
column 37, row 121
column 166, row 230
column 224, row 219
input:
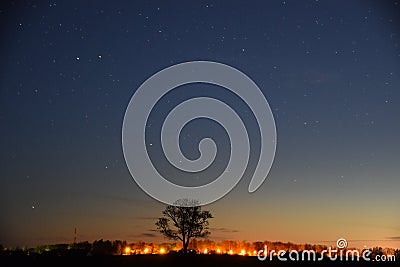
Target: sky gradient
column 329, row 69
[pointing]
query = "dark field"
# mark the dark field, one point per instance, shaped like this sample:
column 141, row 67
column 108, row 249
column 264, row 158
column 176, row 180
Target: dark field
column 167, row 260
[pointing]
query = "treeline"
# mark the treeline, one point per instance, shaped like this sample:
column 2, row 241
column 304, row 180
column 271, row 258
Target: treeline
column 98, row 247
column 118, row 247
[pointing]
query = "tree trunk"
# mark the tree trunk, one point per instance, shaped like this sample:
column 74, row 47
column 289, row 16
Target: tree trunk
column 185, row 247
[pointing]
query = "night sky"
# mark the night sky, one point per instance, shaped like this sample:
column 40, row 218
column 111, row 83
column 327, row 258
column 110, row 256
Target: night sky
column 329, row 69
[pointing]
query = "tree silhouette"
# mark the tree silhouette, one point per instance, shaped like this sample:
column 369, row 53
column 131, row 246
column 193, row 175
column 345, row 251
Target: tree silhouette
column 183, row 221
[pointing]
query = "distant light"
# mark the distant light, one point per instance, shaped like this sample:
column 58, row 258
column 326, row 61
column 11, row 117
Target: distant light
column 218, row 251
column 77, row 58
column 127, row 250
column 162, row 250
column 205, row 251
column 231, row 252
column 146, row 250
column 243, row 252
column 255, row 252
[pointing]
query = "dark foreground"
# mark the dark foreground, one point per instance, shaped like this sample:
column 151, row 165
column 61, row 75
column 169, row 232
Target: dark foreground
column 168, row 260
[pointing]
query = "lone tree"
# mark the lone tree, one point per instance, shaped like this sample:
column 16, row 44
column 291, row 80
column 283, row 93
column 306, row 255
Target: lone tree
column 183, row 221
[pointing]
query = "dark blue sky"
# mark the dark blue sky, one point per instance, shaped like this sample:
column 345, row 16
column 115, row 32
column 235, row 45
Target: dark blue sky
column 329, row 69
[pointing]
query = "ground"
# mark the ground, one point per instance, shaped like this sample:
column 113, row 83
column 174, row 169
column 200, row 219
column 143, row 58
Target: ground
column 165, row 261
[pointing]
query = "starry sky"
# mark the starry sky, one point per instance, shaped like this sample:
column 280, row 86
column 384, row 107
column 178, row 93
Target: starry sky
column 329, row 69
